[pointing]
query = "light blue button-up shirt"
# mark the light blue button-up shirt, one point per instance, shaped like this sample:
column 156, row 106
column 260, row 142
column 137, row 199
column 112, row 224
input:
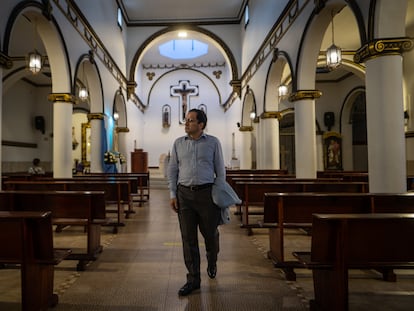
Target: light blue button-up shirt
column 195, row 162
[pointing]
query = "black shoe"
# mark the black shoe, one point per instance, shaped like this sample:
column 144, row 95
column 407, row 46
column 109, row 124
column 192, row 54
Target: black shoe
column 212, row 271
column 187, row 289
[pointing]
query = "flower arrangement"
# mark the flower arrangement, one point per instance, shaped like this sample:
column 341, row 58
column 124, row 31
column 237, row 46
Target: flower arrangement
column 122, row 158
column 109, row 157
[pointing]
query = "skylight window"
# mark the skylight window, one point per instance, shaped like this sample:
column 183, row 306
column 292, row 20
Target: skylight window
column 183, row 49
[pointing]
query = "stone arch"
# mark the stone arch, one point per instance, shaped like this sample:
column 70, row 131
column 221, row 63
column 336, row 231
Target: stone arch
column 87, row 69
column 347, row 127
column 52, row 40
column 249, row 105
column 279, row 72
column 119, row 106
column 210, row 36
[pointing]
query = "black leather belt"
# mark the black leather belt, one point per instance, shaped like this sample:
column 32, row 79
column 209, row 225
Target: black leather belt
column 196, row 187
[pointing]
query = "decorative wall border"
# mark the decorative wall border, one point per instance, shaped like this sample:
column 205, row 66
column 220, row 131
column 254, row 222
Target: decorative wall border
column 18, row 144
column 381, row 47
column 286, row 19
column 80, row 23
column 62, row 97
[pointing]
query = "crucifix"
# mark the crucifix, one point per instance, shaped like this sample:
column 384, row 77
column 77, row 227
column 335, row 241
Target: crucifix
column 183, row 91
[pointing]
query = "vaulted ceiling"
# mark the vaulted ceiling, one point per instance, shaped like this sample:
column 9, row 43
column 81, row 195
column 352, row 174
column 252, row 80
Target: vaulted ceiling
column 163, row 12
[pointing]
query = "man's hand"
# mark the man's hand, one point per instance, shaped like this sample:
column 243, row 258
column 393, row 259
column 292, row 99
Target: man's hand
column 174, row 204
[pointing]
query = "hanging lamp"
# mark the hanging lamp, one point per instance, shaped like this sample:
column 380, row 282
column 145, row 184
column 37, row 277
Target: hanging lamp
column 333, row 53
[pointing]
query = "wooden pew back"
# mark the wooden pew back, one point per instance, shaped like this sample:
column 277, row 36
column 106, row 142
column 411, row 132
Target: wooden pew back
column 299, row 207
column 115, row 191
column 365, row 241
column 88, row 205
column 26, row 236
column 27, row 239
column 282, row 210
column 67, row 208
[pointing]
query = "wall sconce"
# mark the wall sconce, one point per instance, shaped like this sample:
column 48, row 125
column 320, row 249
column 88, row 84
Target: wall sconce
column 83, row 93
column 34, row 62
column 83, row 90
column 282, row 90
column 252, row 115
column 116, row 115
column 333, row 53
column 34, row 59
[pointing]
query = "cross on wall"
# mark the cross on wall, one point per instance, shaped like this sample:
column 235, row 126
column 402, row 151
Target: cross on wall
column 183, row 91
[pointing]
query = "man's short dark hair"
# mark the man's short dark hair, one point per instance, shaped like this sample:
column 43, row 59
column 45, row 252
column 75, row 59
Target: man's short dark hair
column 201, row 116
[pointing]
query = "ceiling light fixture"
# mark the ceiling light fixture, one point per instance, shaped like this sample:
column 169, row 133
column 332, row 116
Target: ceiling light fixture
column 83, row 90
column 34, row 59
column 282, row 90
column 35, row 62
column 333, row 53
column 182, row 34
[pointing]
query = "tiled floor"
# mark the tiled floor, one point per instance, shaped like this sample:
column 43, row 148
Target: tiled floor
column 141, row 268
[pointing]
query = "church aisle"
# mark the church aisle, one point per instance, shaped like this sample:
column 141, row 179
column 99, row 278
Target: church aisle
column 142, row 269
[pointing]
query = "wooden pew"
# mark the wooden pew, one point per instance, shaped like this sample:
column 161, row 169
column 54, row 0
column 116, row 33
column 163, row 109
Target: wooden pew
column 143, row 184
column 295, row 210
column 354, row 241
column 280, row 178
column 252, row 193
column 127, row 192
column 345, row 175
column 115, row 191
column 68, row 208
column 256, row 171
column 26, row 239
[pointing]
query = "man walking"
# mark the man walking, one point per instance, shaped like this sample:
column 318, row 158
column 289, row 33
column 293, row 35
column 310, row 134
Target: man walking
column 196, row 162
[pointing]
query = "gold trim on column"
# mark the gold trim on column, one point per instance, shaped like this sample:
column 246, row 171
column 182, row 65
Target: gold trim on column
column 236, row 85
column 95, row 116
column 62, row 97
column 122, row 129
column 5, row 61
column 131, row 85
column 383, row 47
column 271, row 115
column 305, row 94
column 246, row 128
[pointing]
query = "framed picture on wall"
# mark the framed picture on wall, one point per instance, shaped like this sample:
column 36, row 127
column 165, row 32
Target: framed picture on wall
column 166, row 116
column 86, row 144
column 203, row 108
column 332, row 142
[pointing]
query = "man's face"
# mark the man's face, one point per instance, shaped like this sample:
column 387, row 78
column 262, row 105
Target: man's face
column 192, row 127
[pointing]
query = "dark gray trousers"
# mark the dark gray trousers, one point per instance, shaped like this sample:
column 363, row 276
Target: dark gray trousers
column 197, row 210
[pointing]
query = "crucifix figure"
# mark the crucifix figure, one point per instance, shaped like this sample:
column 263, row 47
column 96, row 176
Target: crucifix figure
column 183, row 91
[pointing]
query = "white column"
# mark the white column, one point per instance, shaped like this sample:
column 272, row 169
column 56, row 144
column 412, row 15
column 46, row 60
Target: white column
column 1, row 134
column 62, row 135
column 122, row 145
column 246, row 156
column 269, row 144
column 97, row 124
column 319, row 152
column 305, row 138
column 385, row 124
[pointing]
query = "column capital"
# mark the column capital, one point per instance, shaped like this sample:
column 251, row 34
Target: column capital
column 95, row 116
column 245, row 128
column 62, row 97
column 271, row 115
column 5, row 61
column 383, row 47
column 122, row 129
column 131, row 85
column 304, row 94
column 236, row 85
